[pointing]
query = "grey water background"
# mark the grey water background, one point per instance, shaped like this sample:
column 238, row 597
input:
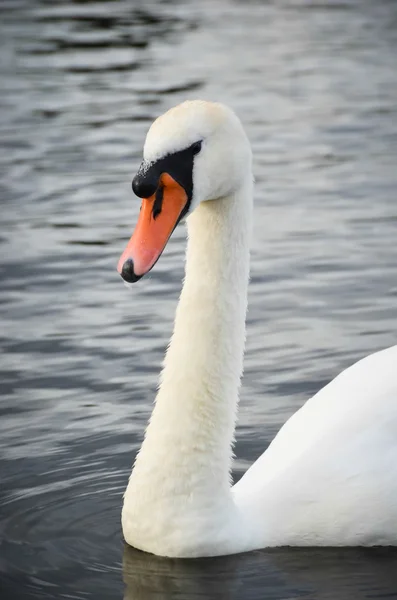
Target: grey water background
column 315, row 84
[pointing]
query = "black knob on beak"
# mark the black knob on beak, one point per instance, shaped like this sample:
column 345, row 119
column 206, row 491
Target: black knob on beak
column 127, row 272
column 145, row 182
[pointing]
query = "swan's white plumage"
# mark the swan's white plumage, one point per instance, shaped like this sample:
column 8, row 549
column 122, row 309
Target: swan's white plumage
column 330, row 475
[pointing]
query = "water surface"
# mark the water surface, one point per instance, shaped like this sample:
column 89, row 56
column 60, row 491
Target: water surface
column 315, row 85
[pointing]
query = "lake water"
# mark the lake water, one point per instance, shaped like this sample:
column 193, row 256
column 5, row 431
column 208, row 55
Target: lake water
column 315, row 84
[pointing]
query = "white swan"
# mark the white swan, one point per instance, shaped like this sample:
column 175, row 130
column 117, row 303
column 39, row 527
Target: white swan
column 330, row 475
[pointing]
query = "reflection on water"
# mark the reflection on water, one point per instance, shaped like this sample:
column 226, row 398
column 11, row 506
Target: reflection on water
column 315, row 85
column 272, row 574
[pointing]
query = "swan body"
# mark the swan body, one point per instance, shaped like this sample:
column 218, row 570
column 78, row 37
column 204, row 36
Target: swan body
column 329, row 478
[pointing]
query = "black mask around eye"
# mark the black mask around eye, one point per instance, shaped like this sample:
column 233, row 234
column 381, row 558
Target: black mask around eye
column 179, row 165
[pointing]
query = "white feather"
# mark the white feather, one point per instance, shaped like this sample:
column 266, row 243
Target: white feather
column 330, row 475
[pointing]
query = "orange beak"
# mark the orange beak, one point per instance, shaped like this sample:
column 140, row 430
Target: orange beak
column 157, row 220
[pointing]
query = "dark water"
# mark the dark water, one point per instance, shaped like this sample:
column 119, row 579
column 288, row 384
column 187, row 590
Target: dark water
column 315, row 84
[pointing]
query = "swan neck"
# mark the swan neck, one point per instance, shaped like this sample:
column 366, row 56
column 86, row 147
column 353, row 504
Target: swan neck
column 195, row 412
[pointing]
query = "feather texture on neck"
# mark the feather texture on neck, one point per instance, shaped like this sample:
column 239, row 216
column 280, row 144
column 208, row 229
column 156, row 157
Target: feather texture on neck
column 181, row 477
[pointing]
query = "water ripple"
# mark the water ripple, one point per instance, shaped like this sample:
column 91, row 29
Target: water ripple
column 315, row 84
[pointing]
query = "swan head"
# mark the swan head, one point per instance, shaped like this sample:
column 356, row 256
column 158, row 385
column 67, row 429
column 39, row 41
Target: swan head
column 195, row 152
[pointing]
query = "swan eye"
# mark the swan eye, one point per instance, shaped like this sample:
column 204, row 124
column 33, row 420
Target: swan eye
column 196, row 147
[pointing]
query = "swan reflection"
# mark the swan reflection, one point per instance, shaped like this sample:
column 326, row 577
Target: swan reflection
column 317, row 574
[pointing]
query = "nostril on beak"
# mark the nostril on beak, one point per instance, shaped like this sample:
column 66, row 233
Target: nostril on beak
column 127, row 272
